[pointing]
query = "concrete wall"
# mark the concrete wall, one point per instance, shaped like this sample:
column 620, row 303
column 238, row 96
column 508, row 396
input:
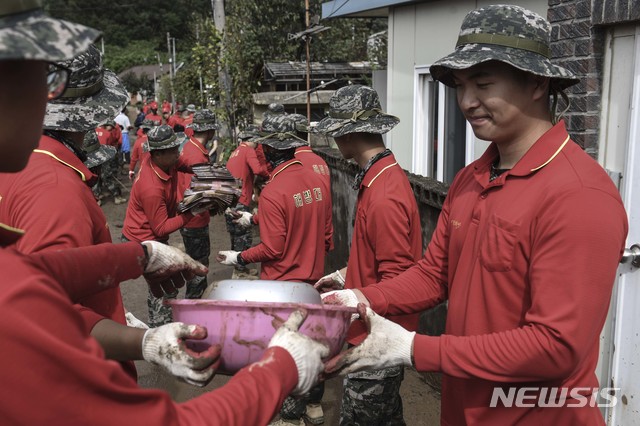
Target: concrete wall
column 430, row 196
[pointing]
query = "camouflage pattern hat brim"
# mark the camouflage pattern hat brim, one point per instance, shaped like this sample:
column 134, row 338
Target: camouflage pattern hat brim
column 281, row 141
column 33, row 35
column 355, row 109
column 203, row 127
column 103, row 154
column 508, row 34
column 163, row 137
column 84, row 113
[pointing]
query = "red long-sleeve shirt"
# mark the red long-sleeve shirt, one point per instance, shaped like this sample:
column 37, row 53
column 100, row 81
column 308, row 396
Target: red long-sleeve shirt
column 296, row 228
column 151, row 213
column 192, row 153
column 138, row 153
column 527, row 262
column 52, row 201
column 54, row 373
column 387, row 235
column 243, row 164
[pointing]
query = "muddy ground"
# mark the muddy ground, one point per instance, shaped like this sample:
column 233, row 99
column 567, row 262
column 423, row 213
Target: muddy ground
column 421, row 403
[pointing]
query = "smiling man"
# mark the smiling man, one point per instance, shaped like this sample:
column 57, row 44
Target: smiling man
column 525, row 250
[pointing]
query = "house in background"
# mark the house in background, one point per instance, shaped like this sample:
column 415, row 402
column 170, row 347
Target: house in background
column 597, row 39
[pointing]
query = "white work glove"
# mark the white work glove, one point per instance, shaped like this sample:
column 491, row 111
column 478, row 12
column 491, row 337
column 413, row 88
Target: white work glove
column 132, row 175
column 306, row 353
column 165, row 346
column 243, row 219
column 342, row 298
column 228, row 257
column 132, row 321
column 169, row 268
column 333, row 281
column 387, row 345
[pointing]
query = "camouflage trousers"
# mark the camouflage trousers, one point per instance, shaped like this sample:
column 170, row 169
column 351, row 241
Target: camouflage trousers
column 372, row 398
column 159, row 314
column 198, row 246
column 241, row 237
column 108, row 175
column 294, row 408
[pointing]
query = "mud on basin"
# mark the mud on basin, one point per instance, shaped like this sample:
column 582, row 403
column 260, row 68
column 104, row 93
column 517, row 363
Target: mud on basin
column 244, row 329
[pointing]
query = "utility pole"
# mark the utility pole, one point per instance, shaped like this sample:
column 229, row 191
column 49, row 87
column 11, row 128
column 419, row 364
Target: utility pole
column 223, row 73
column 171, row 69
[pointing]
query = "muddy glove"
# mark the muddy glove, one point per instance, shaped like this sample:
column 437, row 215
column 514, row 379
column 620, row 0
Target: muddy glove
column 169, row 268
column 306, row 353
column 132, row 321
column 387, row 345
column 343, row 298
column 228, row 257
column 333, row 281
column 165, row 346
column 132, row 175
column 243, row 219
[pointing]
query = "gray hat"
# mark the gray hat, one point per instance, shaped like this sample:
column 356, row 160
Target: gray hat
column 93, row 95
column 505, row 33
column 191, row 108
column 26, row 32
column 249, row 133
column 162, row 137
column 97, row 154
column 275, row 109
column 147, row 124
column 279, row 132
column 203, row 120
column 301, row 122
column 355, row 109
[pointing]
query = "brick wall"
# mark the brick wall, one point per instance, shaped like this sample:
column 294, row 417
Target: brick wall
column 579, row 46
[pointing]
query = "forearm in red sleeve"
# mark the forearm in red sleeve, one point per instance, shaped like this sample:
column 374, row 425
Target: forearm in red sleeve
column 155, row 208
column 135, row 156
column 569, row 300
column 87, row 270
column 183, row 165
column 89, row 316
column 328, row 226
column 252, row 397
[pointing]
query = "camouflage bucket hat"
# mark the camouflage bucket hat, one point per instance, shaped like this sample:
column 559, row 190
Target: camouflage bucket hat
column 301, row 122
column 275, row 109
column 279, row 132
column 249, row 133
column 93, row 96
column 147, row 124
column 97, row 154
column 505, row 33
column 354, row 109
column 191, row 108
column 26, row 32
column 162, row 137
column 203, row 120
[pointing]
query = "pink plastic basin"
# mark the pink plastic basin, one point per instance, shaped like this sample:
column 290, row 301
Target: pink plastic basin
column 244, row 329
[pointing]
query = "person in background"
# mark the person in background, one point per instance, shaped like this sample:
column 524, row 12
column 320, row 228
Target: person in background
column 195, row 233
column 152, row 114
column 243, row 165
column 534, row 229
column 140, row 148
column 123, row 121
column 110, row 171
column 152, row 213
column 387, row 239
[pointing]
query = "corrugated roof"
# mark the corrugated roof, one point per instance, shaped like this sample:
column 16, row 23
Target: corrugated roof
column 293, row 71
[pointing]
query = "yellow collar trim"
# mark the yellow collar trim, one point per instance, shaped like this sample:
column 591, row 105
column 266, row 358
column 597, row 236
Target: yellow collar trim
column 379, row 173
column 50, row 154
column 200, row 149
column 553, row 156
column 278, row 172
column 12, row 229
column 156, row 172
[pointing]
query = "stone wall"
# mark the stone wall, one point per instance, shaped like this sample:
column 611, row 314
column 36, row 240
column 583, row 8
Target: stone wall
column 430, row 196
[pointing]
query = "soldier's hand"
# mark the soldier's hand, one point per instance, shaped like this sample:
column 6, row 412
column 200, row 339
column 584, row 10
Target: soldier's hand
column 333, row 281
column 387, row 345
column 242, row 219
column 228, row 257
column 165, row 346
column 169, row 268
column 132, row 175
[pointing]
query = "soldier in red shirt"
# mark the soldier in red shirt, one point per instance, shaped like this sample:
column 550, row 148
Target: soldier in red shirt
column 195, row 234
column 526, row 248
column 140, row 149
column 243, row 164
column 152, row 114
column 39, row 363
column 152, row 213
column 387, row 239
column 109, row 134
